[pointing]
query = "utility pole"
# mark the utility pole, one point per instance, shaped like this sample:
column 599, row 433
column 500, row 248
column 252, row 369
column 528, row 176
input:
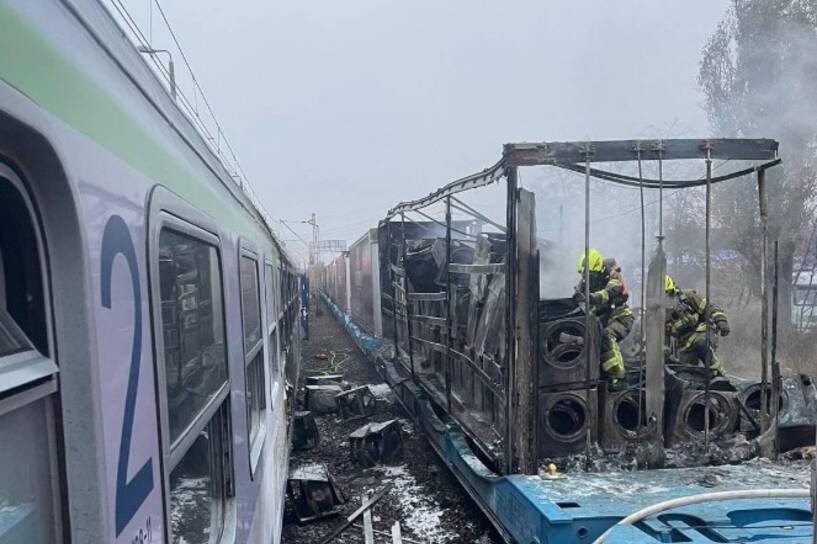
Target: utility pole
column 314, row 253
column 314, row 245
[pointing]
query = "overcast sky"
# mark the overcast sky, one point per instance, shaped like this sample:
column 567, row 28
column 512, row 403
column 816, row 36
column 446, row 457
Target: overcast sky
column 346, row 107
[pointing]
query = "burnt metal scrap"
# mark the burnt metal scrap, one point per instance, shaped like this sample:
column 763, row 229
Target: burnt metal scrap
column 350, row 519
column 305, row 435
column 688, row 405
column 504, row 383
column 325, row 379
column 313, row 493
column 796, row 410
column 462, row 309
column 321, row 399
column 356, row 403
column 376, row 443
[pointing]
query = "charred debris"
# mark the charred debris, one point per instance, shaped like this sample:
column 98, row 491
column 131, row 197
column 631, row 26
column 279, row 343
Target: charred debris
column 460, row 304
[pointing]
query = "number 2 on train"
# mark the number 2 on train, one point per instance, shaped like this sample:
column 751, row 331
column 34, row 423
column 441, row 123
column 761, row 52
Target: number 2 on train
column 129, row 494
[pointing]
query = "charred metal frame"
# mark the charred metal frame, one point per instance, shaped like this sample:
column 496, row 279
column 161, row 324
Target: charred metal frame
column 521, row 282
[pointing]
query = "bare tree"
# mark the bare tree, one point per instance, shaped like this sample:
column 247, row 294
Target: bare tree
column 758, row 73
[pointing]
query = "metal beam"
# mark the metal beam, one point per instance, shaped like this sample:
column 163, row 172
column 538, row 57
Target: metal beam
column 764, row 303
column 655, row 335
column 480, row 179
column 449, row 303
column 510, row 318
column 525, row 306
column 548, row 153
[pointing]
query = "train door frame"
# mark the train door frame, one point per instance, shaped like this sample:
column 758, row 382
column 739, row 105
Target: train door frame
column 167, row 210
column 40, row 379
column 255, row 444
column 271, row 330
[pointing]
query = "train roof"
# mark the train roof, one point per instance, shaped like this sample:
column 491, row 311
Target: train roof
column 113, row 41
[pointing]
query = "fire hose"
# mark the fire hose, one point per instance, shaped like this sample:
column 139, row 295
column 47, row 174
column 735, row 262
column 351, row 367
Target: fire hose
column 703, row 497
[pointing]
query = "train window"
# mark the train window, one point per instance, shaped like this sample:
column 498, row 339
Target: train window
column 29, row 473
column 275, row 364
column 22, row 291
column 250, row 303
column 254, row 356
column 269, row 278
column 269, row 282
column 256, row 396
column 11, row 337
column 192, row 326
column 198, row 485
column 196, row 387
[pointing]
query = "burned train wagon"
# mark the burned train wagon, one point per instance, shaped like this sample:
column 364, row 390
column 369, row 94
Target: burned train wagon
column 425, row 261
column 334, row 281
column 351, row 280
column 363, row 276
column 506, row 385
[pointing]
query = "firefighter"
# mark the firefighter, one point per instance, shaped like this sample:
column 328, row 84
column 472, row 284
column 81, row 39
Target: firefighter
column 608, row 302
column 688, row 316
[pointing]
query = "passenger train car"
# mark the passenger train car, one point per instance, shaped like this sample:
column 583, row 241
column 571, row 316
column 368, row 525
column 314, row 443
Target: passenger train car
column 148, row 316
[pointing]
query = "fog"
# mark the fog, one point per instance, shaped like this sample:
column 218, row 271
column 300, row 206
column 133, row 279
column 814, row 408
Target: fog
column 345, row 108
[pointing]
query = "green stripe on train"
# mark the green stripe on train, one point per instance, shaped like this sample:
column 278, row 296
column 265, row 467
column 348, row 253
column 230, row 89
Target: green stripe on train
column 47, row 77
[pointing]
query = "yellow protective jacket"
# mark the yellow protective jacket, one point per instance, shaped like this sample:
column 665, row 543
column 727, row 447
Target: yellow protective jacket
column 689, row 315
column 610, row 300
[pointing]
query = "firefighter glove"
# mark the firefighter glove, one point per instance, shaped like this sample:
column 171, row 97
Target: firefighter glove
column 723, row 327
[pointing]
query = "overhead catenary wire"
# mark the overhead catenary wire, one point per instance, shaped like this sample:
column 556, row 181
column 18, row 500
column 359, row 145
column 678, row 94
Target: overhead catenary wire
column 196, row 84
column 140, row 37
column 290, row 229
column 234, row 168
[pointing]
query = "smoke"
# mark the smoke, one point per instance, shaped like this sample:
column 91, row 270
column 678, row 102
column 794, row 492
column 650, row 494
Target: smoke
column 614, row 224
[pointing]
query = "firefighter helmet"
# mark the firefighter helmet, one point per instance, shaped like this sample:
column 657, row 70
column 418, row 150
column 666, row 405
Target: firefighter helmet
column 596, row 261
column 669, row 285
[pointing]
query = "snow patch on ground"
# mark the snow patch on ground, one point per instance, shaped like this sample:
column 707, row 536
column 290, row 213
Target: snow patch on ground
column 380, row 390
column 190, row 510
column 422, row 515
